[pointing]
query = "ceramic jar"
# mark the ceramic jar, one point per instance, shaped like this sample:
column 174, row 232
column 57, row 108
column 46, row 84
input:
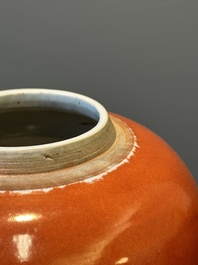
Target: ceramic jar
column 95, row 189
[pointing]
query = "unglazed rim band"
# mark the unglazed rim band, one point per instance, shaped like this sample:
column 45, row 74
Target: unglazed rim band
column 83, row 158
column 118, row 153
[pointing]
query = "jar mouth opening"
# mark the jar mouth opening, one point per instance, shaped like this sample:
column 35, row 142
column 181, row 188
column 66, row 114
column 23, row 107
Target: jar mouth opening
column 33, row 159
column 81, row 157
column 18, row 102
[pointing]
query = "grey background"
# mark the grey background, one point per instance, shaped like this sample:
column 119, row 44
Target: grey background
column 138, row 58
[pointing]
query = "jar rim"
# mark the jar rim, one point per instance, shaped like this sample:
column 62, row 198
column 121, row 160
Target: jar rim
column 86, row 157
column 61, row 154
column 52, row 98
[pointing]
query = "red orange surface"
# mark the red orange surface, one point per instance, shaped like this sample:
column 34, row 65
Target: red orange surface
column 144, row 212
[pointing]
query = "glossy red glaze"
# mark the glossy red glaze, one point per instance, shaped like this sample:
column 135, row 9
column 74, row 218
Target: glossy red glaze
column 144, row 212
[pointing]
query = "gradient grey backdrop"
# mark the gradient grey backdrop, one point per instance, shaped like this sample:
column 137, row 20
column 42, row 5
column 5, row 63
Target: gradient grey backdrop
column 139, row 58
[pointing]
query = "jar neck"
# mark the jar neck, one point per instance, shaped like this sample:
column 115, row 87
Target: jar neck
column 57, row 155
column 85, row 157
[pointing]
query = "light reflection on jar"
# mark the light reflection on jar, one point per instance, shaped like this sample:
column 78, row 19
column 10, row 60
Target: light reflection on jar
column 23, row 243
column 24, row 217
column 122, row 261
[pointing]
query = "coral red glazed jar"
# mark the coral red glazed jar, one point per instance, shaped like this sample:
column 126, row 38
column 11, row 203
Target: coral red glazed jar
column 80, row 186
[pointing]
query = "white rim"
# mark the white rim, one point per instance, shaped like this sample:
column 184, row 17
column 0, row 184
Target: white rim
column 52, row 98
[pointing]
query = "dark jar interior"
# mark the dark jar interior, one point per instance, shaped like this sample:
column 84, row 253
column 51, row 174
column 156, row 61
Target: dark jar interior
column 35, row 126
